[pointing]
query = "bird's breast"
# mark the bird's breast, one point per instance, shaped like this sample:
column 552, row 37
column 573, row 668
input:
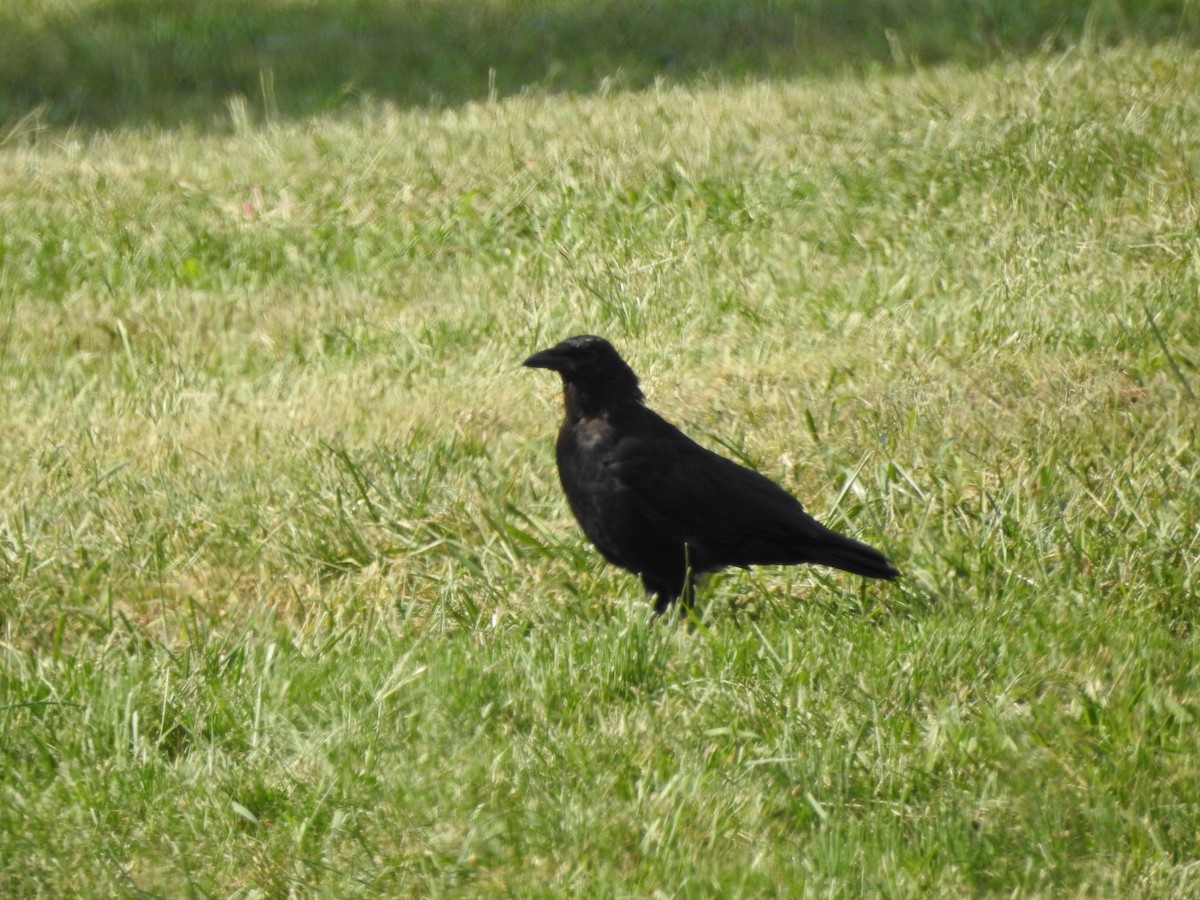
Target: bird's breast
column 600, row 501
column 584, row 457
column 592, row 434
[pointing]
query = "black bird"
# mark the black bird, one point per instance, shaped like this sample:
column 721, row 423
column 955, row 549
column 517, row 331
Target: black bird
column 655, row 502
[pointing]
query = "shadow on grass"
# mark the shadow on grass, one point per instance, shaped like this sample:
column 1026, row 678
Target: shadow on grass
column 108, row 63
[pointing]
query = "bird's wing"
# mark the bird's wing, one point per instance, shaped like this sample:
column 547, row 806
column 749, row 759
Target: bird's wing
column 705, row 499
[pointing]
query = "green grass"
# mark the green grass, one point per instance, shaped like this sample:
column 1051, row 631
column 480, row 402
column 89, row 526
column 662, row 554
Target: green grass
column 290, row 600
column 110, row 63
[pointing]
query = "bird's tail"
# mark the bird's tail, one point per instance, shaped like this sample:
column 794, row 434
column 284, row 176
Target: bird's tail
column 840, row 552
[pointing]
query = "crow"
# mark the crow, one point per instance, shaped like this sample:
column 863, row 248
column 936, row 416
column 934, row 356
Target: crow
column 656, row 503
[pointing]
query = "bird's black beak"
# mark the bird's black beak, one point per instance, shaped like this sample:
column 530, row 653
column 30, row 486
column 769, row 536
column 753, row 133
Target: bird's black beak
column 545, row 359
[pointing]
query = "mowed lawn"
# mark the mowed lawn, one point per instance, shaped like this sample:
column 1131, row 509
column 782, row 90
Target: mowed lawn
column 291, row 603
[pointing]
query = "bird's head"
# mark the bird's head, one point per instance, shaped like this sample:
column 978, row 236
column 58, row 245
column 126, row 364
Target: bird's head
column 591, row 370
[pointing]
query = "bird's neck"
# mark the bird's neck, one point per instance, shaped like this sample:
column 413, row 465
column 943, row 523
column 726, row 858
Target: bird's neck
column 592, row 401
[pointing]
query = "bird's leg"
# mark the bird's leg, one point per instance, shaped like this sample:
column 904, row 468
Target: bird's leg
column 663, row 592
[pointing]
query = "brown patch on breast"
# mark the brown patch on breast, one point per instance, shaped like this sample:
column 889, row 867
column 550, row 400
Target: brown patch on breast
column 592, row 431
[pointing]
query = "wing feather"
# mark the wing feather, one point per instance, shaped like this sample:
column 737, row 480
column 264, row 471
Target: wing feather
column 731, row 513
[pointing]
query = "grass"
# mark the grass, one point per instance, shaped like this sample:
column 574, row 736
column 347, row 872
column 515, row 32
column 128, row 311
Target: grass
column 110, row 63
column 290, row 600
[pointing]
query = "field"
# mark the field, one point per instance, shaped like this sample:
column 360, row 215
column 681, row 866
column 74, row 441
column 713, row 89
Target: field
column 291, row 603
